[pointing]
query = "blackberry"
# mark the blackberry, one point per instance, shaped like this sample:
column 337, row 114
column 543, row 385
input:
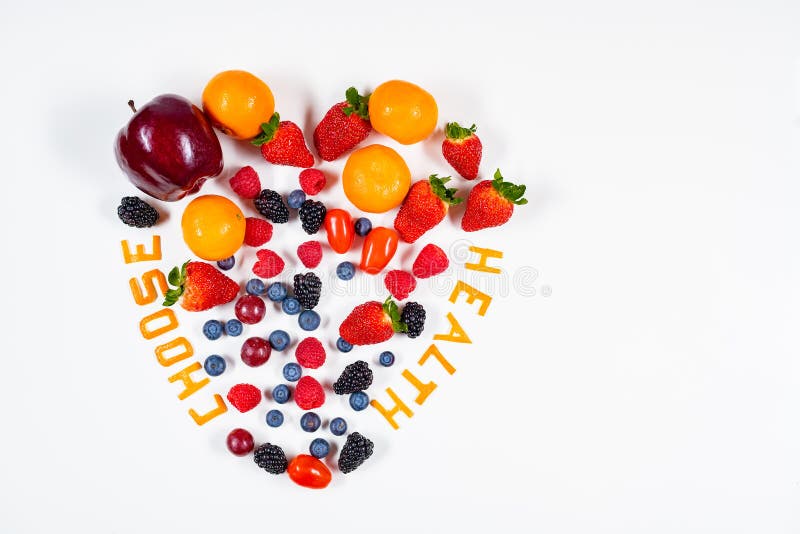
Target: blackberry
column 355, row 377
column 135, row 212
column 307, row 289
column 356, row 449
column 271, row 458
column 271, row 206
column 414, row 317
column 312, row 213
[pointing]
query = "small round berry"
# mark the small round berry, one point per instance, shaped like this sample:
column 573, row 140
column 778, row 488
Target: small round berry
column 291, row 306
column 234, row 327
column 345, row 270
column 363, row 226
column 212, row 329
column 292, row 372
column 227, row 264
column 386, row 358
column 214, row 365
column 255, row 351
column 337, row 426
column 359, row 400
column 343, row 345
column 319, row 448
column 274, row 418
column 255, row 286
column 308, row 320
column 279, row 340
column 310, row 422
column 276, row 292
column 296, row 199
column 281, row 393
column 250, row 309
column 240, row 441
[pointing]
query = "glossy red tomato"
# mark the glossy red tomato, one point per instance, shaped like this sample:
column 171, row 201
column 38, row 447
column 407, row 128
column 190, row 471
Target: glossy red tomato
column 309, row 472
column 339, row 227
column 379, row 248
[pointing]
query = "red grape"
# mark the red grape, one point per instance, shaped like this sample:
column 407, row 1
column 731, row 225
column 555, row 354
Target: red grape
column 250, row 309
column 255, row 351
column 240, row 441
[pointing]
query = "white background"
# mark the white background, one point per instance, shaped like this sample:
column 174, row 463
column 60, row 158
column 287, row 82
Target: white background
column 656, row 390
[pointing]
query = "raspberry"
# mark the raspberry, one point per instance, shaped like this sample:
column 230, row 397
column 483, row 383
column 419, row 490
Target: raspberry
column 414, row 317
column 310, row 253
column 256, row 231
column 268, row 265
column 271, row 206
column 312, row 181
column 244, row 397
column 310, row 353
column 355, row 377
column 135, row 212
column 400, row 284
column 245, row 182
column 271, row 458
column 312, row 215
column 308, row 393
column 431, row 261
column 356, row 450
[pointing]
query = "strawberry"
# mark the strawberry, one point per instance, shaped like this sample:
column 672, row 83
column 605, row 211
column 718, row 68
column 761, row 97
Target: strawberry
column 462, row 149
column 400, row 284
column 282, row 143
column 310, row 253
column 268, row 265
column 256, row 231
column 431, row 261
column 343, row 127
column 372, row 322
column 201, row 285
column 491, row 203
column 424, row 207
column 246, row 183
column 244, row 397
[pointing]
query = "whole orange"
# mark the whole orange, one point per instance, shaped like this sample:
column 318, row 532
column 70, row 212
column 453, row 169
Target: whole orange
column 213, row 227
column 375, row 178
column 405, row 112
column 238, row 103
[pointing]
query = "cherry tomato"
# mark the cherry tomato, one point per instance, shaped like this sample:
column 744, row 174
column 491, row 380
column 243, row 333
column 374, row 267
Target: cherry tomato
column 307, row 471
column 339, row 227
column 379, row 247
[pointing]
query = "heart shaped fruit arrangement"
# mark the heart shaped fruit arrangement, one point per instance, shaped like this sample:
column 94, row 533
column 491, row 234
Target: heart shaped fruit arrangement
column 169, row 149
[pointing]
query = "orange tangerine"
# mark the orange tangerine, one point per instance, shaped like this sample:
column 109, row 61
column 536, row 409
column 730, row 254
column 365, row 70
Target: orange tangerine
column 237, row 103
column 405, row 112
column 213, row 227
column 375, row 178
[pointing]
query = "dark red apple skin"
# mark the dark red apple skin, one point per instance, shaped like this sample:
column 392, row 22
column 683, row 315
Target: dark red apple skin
column 168, row 149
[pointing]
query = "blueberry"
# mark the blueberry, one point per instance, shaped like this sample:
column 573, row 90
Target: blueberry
column 279, row 340
column 296, row 199
column 281, row 393
column 319, row 448
column 274, row 418
column 338, row 426
column 214, row 365
column 292, row 372
column 291, row 306
column 276, row 292
column 310, row 422
column 363, row 226
column 233, row 327
column 359, row 400
column 226, row 264
column 343, row 345
column 386, row 358
column 255, row 287
column 212, row 329
column 345, row 270
column 308, row 320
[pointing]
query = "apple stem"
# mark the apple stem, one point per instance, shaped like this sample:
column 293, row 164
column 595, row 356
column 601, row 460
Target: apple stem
column 131, row 105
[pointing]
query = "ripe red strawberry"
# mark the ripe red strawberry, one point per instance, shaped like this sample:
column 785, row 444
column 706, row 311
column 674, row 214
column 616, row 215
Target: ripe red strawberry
column 268, row 265
column 308, row 393
column 311, row 181
column 244, row 397
column 372, row 322
column 201, row 285
column 282, row 143
column 246, row 183
column 424, row 207
column 400, row 284
column 310, row 353
column 431, row 261
column 256, row 231
column 462, row 149
column 343, row 127
column 310, row 253
column 491, row 203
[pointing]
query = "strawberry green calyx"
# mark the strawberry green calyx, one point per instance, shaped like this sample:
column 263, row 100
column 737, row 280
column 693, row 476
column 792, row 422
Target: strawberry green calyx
column 453, row 130
column 393, row 311
column 177, row 278
column 511, row 192
column 356, row 104
column 447, row 194
column 268, row 130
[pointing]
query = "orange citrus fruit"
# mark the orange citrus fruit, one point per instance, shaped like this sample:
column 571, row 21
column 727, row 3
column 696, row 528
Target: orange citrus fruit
column 375, row 178
column 238, row 103
column 213, row 227
column 405, row 112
